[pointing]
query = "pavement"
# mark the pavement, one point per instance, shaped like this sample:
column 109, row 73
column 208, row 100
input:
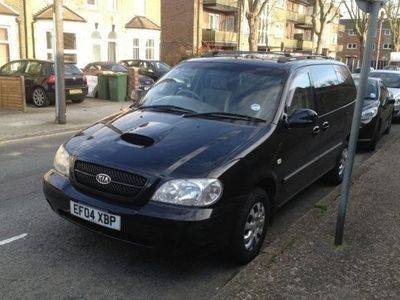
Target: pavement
column 303, row 263
column 35, row 121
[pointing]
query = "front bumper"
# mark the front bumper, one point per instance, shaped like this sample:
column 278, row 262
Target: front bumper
column 152, row 225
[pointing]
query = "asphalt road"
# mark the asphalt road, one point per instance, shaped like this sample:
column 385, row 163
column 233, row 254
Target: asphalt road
column 51, row 258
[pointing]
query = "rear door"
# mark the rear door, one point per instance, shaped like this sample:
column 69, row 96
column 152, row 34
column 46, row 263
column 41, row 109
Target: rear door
column 34, row 76
column 334, row 95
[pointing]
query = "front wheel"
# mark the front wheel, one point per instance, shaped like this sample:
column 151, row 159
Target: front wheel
column 40, row 98
column 251, row 227
column 335, row 176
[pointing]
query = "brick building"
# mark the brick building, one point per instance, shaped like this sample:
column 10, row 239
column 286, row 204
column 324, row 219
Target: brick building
column 351, row 53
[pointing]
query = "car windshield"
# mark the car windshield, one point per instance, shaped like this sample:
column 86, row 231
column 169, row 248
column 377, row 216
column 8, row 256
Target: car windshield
column 220, row 89
column 371, row 93
column 391, row 80
column 70, row 69
column 161, row 67
column 115, row 68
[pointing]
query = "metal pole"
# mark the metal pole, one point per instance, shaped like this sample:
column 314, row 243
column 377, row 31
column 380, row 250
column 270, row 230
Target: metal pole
column 379, row 42
column 61, row 117
column 372, row 7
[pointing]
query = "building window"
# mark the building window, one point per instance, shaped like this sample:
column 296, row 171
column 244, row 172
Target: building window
column 351, row 46
column 213, row 21
column 91, row 3
column 386, row 32
column 230, row 23
column 112, row 46
column 387, row 46
column 351, row 32
column 96, row 46
column 135, row 49
column 280, row 3
column 70, row 53
column 4, row 46
column 112, row 4
column 150, row 49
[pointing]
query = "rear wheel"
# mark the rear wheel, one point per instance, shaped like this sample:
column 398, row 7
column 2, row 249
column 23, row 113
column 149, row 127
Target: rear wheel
column 335, row 176
column 251, row 227
column 40, row 98
column 389, row 126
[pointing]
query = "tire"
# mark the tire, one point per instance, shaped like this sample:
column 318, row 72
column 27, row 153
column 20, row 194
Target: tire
column 78, row 100
column 40, row 98
column 335, row 176
column 251, row 227
column 389, row 126
column 372, row 144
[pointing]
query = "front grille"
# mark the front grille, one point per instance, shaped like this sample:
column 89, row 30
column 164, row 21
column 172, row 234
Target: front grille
column 122, row 183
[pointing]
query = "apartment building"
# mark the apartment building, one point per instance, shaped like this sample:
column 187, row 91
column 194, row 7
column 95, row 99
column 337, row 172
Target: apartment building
column 107, row 30
column 9, row 33
column 191, row 27
column 351, row 50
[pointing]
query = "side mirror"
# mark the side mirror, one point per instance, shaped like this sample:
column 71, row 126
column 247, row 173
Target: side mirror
column 302, row 117
column 391, row 101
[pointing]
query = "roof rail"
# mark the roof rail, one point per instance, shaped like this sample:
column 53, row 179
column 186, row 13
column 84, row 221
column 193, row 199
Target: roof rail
column 277, row 55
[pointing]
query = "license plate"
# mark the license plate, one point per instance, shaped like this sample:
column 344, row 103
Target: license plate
column 78, row 91
column 95, row 216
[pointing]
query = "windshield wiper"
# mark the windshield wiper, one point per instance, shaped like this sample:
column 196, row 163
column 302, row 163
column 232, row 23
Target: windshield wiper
column 225, row 115
column 167, row 108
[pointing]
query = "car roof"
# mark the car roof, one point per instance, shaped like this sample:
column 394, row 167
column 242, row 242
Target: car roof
column 282, row 62
column 386, row 71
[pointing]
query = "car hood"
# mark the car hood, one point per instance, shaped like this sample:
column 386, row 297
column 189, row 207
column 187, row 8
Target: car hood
column 164, row 144
column 394, row 91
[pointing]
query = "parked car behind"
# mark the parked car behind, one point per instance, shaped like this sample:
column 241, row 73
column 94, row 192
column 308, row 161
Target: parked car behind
column 215, row 147
column 96, row 68
column 39, row 77
column 391, row 79
column 152, row 68
column 377, row 113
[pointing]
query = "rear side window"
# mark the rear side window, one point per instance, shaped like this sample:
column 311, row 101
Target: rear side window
column 329, row 92
column 348, row 92
column 14, row 68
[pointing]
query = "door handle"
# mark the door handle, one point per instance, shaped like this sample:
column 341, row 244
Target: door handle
column 316, row 130
column 325, row 125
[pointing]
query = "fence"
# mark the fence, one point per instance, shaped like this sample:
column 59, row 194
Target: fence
column 12, row 93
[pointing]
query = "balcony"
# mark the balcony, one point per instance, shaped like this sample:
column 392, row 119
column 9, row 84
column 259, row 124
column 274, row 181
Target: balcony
column 303, row 2
column 228, row 38
column 301, row 21
column 299, row 44
column 221, row 5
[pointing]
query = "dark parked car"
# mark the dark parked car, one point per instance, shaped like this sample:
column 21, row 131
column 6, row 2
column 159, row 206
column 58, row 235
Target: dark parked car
column 40, row 80
column 99, row 67
column 391, row 79
column 152, row 68
column 377, row 113
column 213, row 150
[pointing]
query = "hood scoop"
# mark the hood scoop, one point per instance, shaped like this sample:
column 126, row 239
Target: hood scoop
column 146, row 134
column 137, row 139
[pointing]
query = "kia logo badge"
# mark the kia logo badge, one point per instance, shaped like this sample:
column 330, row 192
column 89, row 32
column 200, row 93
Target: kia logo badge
column 103, row 178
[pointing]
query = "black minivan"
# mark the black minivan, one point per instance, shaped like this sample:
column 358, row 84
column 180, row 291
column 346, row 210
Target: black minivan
column 210, row 153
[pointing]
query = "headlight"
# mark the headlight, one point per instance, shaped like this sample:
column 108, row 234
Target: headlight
column 61, row 161
column 397, row 101
column 368, row 114
column 189, row 192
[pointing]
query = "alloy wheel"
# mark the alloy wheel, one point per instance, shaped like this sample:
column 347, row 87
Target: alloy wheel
column 254, row 226
column 342, row 162
column 39, row 97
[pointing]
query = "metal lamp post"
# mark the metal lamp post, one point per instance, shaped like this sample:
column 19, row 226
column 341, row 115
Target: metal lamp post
column 372, row 7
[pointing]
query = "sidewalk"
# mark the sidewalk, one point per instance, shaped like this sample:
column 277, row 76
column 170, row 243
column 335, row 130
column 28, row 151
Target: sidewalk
column 40, row 121
column 304, row 263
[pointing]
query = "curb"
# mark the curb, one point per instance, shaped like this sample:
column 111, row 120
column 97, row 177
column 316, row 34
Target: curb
column 297, row 230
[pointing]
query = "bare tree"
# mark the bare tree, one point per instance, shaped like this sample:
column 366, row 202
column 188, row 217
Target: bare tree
column 392, row 11
column 324, row 12
column 254, row 9
column 359, row 21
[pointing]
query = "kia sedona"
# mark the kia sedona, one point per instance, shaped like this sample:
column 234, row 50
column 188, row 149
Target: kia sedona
column 40, row 80
column 209, row 154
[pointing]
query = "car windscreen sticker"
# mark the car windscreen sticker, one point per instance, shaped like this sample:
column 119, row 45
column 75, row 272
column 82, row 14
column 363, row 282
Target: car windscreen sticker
column 255, row 107
column 372, row 95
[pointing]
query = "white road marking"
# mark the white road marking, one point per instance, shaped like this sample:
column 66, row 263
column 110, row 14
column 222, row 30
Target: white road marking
column 10, row 240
